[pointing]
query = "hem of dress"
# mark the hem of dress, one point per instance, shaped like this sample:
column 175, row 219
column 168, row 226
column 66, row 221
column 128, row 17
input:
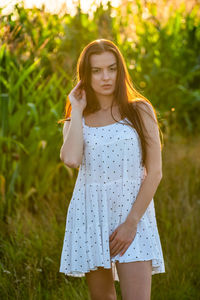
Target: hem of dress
column 82, row 273
column 160, row 268
column 157, row 265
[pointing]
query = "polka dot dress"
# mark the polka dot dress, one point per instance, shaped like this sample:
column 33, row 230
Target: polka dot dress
column 106, row 187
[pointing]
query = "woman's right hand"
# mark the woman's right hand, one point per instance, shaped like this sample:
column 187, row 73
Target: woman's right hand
column 77, row 97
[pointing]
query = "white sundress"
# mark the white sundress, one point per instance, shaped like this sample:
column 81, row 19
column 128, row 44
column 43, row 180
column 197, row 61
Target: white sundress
column 107, row 184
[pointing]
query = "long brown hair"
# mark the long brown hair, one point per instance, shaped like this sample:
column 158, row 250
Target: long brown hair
column 126, row 96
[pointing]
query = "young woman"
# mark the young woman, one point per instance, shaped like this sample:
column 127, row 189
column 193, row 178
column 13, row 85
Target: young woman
column 111, row 133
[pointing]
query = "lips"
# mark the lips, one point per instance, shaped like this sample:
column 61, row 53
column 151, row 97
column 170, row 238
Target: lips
column 107, row 85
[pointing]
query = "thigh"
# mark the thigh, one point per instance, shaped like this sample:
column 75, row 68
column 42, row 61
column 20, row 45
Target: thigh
column 101, row 284
column 135, row 279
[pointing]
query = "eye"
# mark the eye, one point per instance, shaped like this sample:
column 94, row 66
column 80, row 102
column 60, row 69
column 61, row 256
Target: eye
column 95, row 71
column 113, row 68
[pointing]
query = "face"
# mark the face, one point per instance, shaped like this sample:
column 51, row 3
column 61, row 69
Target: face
column 103, row 71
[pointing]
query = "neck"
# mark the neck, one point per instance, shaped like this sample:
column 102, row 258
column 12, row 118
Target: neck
column 106, row 102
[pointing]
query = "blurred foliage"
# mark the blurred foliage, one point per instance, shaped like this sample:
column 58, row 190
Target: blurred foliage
column 38, row 56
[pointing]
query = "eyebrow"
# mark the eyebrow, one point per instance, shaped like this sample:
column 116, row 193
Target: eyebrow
column 100, row 68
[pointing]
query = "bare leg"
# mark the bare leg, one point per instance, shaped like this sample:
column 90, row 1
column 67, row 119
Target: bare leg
column 135, row 279
column 101, row 284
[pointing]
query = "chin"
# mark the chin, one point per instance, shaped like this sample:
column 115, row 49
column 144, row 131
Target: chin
column 104, row 92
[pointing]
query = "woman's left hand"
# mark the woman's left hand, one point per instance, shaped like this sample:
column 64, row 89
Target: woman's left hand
column 121, row 238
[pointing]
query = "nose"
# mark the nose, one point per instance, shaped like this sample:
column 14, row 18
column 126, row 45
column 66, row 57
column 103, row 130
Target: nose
column 105, row 74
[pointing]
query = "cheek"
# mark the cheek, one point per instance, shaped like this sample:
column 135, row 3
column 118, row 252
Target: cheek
column 94, row 79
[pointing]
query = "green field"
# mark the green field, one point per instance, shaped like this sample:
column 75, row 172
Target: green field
column 38, row 55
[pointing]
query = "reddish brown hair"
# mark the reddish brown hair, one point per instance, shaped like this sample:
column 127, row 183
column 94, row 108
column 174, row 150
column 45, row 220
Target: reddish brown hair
column 126, row 96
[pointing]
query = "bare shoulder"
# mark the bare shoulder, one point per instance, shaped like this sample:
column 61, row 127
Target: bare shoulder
column 145, row 108
column 149, row 118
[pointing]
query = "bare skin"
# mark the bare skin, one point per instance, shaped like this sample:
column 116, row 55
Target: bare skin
column 135, row 279
column 101, row 284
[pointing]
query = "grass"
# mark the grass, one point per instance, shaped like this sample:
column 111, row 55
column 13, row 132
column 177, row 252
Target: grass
column 31, row 239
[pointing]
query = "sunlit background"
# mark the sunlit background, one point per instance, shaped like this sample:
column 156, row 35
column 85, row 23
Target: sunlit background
column 39, row 48
column 59, row 5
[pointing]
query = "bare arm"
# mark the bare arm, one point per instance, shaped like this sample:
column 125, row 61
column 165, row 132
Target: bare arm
column 72, row 149
column 71, row 152
column 153, row 166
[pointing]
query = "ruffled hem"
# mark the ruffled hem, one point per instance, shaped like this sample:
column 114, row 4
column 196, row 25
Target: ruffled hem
column 157, row 267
